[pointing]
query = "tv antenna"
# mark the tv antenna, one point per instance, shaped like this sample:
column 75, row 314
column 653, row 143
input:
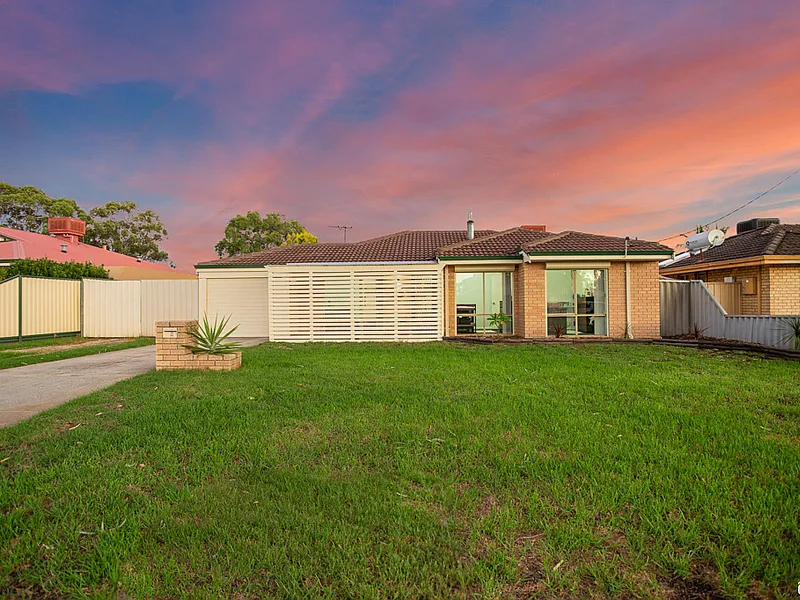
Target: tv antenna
column 343, row 228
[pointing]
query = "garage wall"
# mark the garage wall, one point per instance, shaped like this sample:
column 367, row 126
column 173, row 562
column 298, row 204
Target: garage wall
column 355, row 303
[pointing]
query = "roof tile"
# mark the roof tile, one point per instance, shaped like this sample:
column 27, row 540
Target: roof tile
column 773, row 240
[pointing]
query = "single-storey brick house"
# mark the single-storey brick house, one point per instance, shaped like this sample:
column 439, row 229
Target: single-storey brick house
column 425, row 285
column 763, row 258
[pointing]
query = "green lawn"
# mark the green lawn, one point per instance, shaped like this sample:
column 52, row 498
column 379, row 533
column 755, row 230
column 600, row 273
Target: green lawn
column 19, row 354
column 415, row 471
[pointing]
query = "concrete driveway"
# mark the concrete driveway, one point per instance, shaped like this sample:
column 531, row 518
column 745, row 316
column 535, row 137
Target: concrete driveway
column 25, row 391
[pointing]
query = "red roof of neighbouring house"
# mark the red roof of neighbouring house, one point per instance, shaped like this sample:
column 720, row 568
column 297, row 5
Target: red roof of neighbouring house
column 772, row 240
column 428, row 246
column 26, row 244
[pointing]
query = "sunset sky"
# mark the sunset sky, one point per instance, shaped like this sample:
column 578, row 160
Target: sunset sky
column 628, row 118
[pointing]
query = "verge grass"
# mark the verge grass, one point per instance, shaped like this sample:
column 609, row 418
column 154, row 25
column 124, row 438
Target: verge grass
column 20, row 354
column 415, row 471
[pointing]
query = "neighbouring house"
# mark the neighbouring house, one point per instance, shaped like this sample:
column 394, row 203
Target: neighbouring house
column 425, row 285
column 758, row 269
column 64, row 245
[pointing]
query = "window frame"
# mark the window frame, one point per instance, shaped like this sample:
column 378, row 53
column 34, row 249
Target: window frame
column 575, row 315
column 474, row 315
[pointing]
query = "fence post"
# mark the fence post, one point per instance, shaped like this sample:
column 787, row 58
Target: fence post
column 19, row 306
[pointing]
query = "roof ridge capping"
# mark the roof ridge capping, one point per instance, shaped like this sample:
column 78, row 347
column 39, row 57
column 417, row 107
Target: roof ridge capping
column 383, row 237
column 552, row 238
column 484, row 238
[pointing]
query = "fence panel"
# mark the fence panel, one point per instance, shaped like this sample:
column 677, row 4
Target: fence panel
column 9, row 308
column 112, row 308
column 685, row 304
column 676, row 308
column 729, row 295
column 164, row 300
column 50, row 306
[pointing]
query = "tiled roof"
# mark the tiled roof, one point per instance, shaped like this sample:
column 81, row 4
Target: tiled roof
column 412, row 246
column 405, row 246
column 578, row 242
column 773, row 240
column 503, row 243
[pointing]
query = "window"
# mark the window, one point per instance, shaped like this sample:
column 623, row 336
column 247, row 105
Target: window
column 478, row 297
column 576, row 302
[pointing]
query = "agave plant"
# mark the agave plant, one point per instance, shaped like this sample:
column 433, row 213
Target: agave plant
column 791, row 335
column 210, row 339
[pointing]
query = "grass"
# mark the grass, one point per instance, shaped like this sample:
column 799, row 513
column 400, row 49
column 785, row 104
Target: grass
column 19, row 354
column 415, row 471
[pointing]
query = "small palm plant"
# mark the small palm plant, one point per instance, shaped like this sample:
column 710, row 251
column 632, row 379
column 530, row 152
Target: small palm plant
column 791, row 334
column 210, row 339
column 499, row 320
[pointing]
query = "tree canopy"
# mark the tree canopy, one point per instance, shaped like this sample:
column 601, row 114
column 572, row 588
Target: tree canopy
column 252, row 233
column 119, row 225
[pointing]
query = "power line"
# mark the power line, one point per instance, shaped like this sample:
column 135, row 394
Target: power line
column 735, row 210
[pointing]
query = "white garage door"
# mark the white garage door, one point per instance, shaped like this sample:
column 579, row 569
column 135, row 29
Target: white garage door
column 244, row 300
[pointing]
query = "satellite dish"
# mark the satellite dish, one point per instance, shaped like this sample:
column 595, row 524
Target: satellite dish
column 705, row 240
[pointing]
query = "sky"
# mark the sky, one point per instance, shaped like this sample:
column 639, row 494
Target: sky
column 608, row 116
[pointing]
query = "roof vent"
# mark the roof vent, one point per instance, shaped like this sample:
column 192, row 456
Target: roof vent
column 757, row 223
column 470, row 227
column 66, row 228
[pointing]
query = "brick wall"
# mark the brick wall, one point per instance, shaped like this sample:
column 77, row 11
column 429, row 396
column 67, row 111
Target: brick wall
column 617, row 314
column 449, row 300
column 530, row 301
column 783, row 289
column 645, row 301
column 171, row 355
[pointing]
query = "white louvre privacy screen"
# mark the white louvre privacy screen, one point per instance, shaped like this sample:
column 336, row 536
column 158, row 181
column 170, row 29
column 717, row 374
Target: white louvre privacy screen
column 355, row 303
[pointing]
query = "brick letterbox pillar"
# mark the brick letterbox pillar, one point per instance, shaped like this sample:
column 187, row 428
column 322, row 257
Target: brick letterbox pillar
column 172, row 354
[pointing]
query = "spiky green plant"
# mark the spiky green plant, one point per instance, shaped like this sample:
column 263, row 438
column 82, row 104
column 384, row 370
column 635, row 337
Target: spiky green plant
column 791, row 333
column 499, row 320
column 210, row 339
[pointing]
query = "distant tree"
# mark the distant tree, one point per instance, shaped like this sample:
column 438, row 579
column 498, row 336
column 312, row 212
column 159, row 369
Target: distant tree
column 27, row 208
column 118, row 225
column 45, row 267
column 124, row 229
column 252, row 233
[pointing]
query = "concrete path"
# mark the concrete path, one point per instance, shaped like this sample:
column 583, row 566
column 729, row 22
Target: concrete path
column 25, row 391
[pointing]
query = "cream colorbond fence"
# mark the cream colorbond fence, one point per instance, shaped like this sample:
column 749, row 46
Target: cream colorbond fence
column 355, row 303
column 131, row 308
column 32, row 307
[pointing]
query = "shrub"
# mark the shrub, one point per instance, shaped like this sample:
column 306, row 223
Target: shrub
column 44, row 267
column 792, row 332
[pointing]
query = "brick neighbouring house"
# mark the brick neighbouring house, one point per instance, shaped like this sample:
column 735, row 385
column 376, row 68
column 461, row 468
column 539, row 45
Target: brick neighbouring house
column 425, row 285
column 765, row 260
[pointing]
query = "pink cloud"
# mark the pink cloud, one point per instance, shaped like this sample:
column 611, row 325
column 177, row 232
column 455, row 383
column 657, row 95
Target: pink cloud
column 609, row 119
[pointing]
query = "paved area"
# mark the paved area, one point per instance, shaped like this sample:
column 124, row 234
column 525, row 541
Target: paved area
column 25, row 391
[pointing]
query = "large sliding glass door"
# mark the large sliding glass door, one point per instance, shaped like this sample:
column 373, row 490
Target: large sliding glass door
column 577, row 302
column 484, row 303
